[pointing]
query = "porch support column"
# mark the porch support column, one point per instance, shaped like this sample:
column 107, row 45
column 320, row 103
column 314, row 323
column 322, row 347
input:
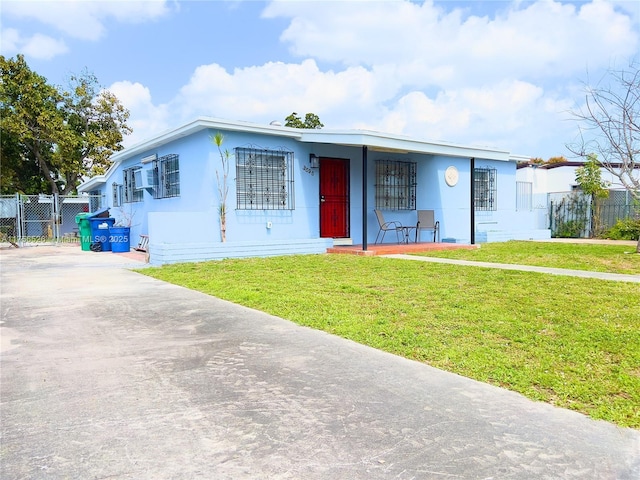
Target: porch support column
column 364, row 197
column 473, row 196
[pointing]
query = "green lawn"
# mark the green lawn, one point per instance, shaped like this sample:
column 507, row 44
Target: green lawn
column 597, row 258
column 563, row 340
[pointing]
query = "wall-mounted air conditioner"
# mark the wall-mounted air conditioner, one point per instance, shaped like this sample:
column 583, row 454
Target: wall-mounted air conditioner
column 143, row 178
column 149, row 158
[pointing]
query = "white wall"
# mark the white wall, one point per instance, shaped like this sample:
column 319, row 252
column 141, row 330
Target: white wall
column 558, row 179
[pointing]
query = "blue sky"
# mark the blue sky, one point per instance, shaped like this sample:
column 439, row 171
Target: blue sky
column 496, row 73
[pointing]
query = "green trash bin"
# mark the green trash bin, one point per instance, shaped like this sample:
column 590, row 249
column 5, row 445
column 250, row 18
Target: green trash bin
column 84, row 230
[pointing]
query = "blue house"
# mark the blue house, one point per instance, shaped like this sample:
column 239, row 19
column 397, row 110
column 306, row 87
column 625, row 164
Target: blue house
column 301, row 191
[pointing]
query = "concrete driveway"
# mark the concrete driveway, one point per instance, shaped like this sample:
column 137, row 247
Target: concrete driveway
column 107, row 373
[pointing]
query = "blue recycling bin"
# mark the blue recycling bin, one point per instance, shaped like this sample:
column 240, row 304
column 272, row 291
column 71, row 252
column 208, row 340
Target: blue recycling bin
column 100, row 234
column 101, row 213
column 119, row 238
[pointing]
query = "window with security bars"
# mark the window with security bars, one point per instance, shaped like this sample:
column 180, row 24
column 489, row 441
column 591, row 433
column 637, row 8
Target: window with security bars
column 116, row 194
column 524, row 196
column 95, row 200
column 264, row 179
column 395, row 185
column 166, row 176
column 485, row 188
column 130, row 192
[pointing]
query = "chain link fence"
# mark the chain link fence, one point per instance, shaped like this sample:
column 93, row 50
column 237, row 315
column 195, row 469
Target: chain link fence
column 43, row 219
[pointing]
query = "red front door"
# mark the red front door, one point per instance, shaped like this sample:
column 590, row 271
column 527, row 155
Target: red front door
column 334, row 198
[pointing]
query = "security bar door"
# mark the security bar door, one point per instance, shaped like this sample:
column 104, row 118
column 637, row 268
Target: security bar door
column 334, row 198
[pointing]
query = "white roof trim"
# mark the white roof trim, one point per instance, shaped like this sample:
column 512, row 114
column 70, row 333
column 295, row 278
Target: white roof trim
column 519, row 158
column 93, row 183
column 204, row 123
column 376, row 141
column 397, row 143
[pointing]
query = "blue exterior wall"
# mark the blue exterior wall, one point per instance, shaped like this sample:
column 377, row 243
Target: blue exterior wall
column 198, row 161
column 195, row 177
column 450, row 204
column 192, row 217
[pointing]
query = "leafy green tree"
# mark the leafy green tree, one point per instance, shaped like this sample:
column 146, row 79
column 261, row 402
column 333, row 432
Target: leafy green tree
column 30, row 123
column 97, row 123
column 589, row 178
column 17, row 176
column 311, row 121
column 67, row 135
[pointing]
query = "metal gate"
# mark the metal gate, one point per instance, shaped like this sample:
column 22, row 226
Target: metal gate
column 28, row 220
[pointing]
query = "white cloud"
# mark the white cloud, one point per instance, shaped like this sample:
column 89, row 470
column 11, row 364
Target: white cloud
column 505, row 81
column 276, row 89
column 9, row 40
column 496, row 116
column 629, row 7
column 414, row 68
column 43, row 47
column 359, row 98
column 543, row 38
column 146, row 119
column 37, row 46
column 84, row 19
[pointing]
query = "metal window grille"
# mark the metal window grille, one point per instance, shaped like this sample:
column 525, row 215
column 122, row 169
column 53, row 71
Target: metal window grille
column 524, row 196
column 166, row 176
column 395, row 185
column 130, row 192
column 264, row 179
column 95, row 200
column 485, row 188
column 116, row 194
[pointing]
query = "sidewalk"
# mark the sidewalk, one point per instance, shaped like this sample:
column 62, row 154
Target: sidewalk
column 107, row 373
column 616, row 277
column 595, row 241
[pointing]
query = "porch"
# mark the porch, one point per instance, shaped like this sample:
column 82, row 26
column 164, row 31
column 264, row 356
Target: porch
column 396, row 248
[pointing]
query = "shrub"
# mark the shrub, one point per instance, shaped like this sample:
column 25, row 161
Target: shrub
column 624, row 229
column 570, row 218
column 570, row 229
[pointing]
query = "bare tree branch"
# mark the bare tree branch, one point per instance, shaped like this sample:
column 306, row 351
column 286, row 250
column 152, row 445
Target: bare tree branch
column 609, row 126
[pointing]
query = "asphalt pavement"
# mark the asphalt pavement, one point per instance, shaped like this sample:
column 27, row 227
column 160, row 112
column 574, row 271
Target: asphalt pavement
column 107, row 373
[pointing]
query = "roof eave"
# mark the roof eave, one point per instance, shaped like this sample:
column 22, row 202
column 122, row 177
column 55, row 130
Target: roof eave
column 399, row 144
column 92, row 183
column 199, row 124
column 376, row 141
